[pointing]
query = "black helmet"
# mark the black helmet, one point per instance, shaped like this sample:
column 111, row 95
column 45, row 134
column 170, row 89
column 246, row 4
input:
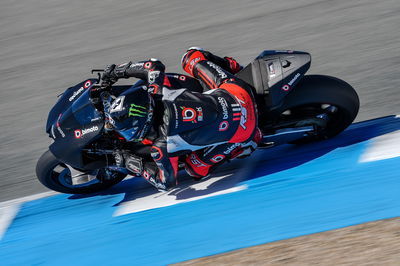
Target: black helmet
column 132, row 113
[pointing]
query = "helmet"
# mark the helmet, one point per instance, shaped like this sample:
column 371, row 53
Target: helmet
column 132, row 113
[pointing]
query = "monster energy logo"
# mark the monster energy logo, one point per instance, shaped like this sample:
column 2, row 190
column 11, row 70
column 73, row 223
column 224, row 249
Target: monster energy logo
column 137, row 110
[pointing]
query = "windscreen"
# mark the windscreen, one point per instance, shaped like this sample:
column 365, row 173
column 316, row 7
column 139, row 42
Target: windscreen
column 83, row 109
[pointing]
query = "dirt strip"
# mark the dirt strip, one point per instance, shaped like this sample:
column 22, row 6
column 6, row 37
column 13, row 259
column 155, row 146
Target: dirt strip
column 374, row 243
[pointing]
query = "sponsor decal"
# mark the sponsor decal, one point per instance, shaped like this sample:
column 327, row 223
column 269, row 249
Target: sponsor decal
column 61, row 132
column 224, row 106
column 243, row 113
column 217, row 158
column 224, row 125
column 117, row 104
column 180, row 77
column 220, row 71
column 190, row 115
column 199, row 114
column 80, row 90
column 137, row 110
column 146, row 175
column 136, row 65
column 231, row 148
column 294, row 79
column 288, row 86
column 193, row 62
column 58, row 126
column 147, row 65
column 176, row 116
column 79, row 133
column 196, row 162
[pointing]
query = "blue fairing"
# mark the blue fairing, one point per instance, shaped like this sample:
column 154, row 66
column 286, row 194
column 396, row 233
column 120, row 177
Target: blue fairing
column 73, row 123
column 69, row 97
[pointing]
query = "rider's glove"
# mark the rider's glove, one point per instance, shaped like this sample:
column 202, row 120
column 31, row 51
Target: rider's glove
column 132, row 162
column 109, row 77
column 232, row 65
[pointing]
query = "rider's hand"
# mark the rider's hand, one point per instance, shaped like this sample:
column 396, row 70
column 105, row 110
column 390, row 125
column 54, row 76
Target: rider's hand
column 108, row 78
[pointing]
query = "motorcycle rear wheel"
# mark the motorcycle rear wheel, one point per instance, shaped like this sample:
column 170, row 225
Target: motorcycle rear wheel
column 56, row 176
column 311, row 97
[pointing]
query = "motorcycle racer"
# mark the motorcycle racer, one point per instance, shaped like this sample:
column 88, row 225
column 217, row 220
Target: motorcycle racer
column 175, row 116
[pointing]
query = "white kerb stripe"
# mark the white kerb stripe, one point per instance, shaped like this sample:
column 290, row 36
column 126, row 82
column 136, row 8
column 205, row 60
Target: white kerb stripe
column 7, row 215
column 383, row 147
column 9, row 209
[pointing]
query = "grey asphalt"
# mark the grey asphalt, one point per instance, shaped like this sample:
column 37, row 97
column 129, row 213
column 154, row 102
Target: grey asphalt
column 46, row 46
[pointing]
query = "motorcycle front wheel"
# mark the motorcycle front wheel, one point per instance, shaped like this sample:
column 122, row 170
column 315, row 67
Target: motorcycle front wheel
column 56, row 176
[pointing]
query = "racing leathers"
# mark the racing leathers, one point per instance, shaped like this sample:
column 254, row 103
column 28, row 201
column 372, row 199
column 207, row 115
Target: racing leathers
column 206, row 125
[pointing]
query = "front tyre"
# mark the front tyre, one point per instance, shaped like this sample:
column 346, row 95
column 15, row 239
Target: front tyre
column 56, row 176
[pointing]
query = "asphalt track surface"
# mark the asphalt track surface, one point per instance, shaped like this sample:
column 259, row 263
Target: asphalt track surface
column 46, row 46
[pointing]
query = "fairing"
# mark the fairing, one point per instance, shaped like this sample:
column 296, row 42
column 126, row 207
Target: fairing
column 76, row 127
column 74, row 123
column 274, row 74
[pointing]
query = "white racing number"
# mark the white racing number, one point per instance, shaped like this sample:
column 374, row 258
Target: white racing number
column 117, row 104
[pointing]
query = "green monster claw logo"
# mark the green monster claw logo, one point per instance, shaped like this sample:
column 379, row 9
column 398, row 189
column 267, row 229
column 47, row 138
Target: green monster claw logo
column 137, row 110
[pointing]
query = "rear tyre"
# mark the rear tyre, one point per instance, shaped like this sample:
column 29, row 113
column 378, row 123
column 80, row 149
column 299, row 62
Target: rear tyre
column 313, row 96
column 56, row 176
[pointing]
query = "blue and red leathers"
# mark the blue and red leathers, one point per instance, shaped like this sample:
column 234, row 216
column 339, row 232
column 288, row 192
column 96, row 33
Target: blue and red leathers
column 208, row 125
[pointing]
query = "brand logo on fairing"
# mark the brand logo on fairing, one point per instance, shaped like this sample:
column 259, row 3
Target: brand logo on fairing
column 291, row 82
column 76, row 93
column 61, row 132
column 137, row 110
column 80, row 133
column 58, row 127
column 294, row 79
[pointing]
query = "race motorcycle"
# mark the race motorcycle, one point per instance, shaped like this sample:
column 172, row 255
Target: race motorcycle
column 293, row 108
